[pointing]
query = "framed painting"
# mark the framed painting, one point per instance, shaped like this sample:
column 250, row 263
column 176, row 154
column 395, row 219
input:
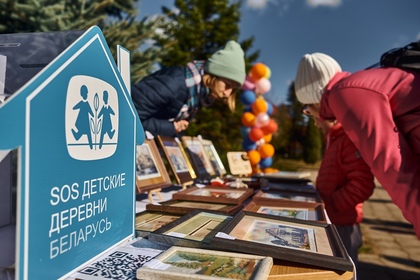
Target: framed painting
column 192, row 230
column 150, row 169
column 180, row 263
column 308, row 213
column 198, row 156
column 214, row 194
column 214, row 157
column 287, row 198
column 239, row 163
column 286, row 177
column 177, row 158
column 307, row 242
column 149, row 221
column 184, row 207
column 306, row 186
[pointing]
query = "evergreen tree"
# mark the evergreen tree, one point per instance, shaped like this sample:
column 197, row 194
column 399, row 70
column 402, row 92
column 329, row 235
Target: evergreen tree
column 312, row 147
column 196, row 30
column 280, row 140
column 117, row 20
column 298, row 125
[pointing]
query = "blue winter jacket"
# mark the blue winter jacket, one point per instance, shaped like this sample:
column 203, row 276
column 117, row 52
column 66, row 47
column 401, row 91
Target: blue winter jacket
column 159, row 97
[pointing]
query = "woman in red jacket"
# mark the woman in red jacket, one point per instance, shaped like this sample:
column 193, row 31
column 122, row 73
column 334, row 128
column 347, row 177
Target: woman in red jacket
column 379, row 110
column 344, row 182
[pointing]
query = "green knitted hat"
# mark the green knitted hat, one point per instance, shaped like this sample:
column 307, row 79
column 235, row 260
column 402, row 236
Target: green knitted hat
column 228, row 63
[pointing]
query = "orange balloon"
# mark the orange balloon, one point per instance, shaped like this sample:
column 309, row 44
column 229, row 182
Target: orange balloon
column 258, row 71
column 256, row 169
column 259, row 106
column 270, row 170
column 254, row 157
column 248, row 119
column 266, row 150
column 255, row 134
column 267, row 138
column 271, row 127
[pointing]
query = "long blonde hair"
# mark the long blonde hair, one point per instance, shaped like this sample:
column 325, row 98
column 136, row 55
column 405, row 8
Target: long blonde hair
column 210, row 82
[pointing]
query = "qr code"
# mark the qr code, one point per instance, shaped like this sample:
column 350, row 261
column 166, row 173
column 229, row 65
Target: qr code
column 118, row 265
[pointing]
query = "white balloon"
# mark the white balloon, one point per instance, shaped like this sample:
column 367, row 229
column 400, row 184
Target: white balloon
column 262, row 119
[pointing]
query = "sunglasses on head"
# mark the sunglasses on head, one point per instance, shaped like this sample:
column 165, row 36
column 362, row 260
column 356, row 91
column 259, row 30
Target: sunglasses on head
column 305, row 111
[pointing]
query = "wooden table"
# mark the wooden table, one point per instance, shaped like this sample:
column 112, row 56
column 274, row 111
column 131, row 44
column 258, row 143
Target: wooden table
column 297, row 271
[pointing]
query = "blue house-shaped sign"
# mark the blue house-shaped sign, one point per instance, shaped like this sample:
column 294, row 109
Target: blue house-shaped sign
column 76, row 130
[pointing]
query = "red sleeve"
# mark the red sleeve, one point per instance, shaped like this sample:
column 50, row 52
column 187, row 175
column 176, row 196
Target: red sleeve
column 358, row 179
column 366, row 117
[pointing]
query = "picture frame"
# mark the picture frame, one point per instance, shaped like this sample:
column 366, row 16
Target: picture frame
column 287, row 198
column 177, row 159
column 181, row 263
column 194, row 230
column 304, row 186
column 239, row 163
column 214, row 194
column 306, row 242
column 277, row 178
column 214, row 157
column 149, row 221
column 314, row 212
column 288, row 175
column 151, row 173
column 185, row 207
column 199, row 159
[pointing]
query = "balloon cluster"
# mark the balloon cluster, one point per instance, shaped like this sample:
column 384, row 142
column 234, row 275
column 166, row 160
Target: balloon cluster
column 258, row 127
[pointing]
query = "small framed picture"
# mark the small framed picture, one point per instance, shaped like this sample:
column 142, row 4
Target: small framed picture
column 287, row 198
column 303, row 186
column 184, row 207
column 288, row 179
column 149, row 221
column 180, row 263
column 214, row 157
column 239, row 163
column 192, row 230
column 198, row 156
column 177, row 158
column 214, row 194
column 150, row 170
column 307, row 242
column 314, row 212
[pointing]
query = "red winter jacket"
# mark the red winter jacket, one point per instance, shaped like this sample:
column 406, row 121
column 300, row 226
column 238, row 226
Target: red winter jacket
column 379, row 110
column 344, row 179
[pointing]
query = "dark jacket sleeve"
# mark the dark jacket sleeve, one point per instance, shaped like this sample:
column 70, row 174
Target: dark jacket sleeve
column 158, row 99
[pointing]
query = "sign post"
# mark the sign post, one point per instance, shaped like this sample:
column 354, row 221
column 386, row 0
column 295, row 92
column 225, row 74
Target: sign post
column 76, row 129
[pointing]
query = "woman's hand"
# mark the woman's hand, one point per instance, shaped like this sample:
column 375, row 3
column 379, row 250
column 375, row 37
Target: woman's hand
column 181, row 125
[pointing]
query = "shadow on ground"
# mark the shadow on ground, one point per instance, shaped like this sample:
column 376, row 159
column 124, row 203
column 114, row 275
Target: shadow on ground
column 375, row 200
column 368, row 271
column 389, row 226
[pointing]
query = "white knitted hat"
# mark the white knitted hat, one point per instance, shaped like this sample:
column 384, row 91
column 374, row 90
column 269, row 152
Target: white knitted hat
column 314, row 73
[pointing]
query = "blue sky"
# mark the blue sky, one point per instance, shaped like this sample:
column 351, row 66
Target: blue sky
column 354, row 32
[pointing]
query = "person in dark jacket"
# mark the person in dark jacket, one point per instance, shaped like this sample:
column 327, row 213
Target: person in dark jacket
column 167, row 100
column 344, row 182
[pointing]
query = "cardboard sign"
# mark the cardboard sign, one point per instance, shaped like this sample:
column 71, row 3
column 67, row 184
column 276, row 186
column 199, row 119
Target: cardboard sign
column 77, row 130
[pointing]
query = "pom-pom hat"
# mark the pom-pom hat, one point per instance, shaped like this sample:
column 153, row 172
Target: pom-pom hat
column 314, row 73
column 228, row 63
